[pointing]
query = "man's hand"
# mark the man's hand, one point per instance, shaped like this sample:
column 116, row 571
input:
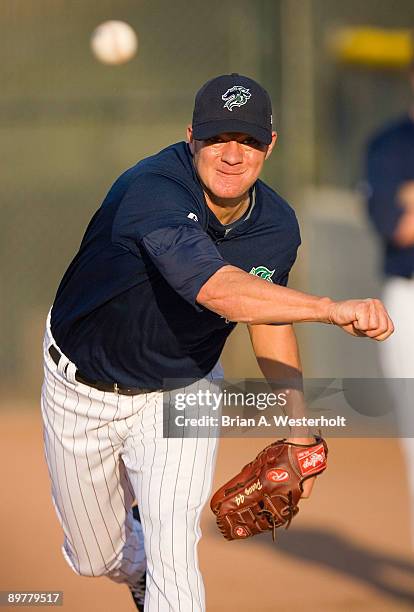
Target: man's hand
column 403, row 236
column 405, row 195
column 367, row 318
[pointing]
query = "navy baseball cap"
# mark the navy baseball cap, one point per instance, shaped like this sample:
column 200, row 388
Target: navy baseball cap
column 232, row 103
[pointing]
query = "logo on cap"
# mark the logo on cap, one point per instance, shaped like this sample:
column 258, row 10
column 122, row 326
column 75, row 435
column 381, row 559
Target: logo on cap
column 235, row 96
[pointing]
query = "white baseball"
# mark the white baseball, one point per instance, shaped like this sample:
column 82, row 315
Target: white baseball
column 114, row 42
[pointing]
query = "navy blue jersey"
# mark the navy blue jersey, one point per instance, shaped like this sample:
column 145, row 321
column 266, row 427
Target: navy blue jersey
column 126, row 309
column 390, row 162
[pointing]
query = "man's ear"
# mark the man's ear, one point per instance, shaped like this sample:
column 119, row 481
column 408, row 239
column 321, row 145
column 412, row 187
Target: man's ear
column 190, row 138
column 271, row 145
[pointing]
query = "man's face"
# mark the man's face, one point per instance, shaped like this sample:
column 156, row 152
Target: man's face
column 229, row 164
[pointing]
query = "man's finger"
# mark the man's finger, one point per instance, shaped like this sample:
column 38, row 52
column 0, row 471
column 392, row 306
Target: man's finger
column 307, row 487
column 373, row 316
column 383, row 319
column 387, row 333
column 362, row 316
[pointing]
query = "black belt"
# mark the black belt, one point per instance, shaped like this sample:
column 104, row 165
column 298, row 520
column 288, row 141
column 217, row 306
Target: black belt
column 101, row 386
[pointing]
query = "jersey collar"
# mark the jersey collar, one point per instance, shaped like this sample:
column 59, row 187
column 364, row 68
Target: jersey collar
column 224, row 232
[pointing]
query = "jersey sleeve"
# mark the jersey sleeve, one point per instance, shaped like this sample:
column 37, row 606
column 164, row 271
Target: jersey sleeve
column 151, row 202
column 185, row 256
column 163, row 217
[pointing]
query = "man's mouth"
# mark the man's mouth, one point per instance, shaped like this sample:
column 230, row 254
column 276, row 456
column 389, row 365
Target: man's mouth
column 231, row 173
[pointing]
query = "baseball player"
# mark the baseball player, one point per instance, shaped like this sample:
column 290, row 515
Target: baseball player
column 390, row 177
column 186, row 244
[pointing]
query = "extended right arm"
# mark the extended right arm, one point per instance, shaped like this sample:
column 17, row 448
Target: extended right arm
column 245, row 298
column 242, row 297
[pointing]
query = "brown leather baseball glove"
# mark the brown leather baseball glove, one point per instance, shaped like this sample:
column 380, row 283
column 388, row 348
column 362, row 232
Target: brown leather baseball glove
column 265, row 494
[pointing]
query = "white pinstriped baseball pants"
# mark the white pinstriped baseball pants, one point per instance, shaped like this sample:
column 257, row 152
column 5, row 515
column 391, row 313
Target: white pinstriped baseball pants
column 397, row 361
column 103, row 450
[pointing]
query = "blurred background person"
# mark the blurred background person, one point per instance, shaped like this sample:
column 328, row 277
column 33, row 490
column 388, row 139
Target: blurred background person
column 390, row 174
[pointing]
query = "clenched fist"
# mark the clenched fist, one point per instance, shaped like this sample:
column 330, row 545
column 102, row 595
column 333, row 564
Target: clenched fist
column 362, row 318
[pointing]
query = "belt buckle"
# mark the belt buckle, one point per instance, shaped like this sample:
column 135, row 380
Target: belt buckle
column 116, row 388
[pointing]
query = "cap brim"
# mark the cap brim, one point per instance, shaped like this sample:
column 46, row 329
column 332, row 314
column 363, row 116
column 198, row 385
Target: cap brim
column 203, row 131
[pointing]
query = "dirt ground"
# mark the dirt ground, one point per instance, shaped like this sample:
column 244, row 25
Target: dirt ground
column 348, row 549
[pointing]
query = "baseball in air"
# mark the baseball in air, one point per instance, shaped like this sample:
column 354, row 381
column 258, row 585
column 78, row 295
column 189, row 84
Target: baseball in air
column 114, row 42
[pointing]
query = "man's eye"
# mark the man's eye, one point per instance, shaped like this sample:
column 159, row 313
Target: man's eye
column 214, row 140
column 252, row 142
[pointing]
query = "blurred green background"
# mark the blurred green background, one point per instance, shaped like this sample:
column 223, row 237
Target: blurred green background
column 69, row 125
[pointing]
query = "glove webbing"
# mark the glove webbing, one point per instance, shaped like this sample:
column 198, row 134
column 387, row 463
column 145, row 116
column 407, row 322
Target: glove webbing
column 271, row 517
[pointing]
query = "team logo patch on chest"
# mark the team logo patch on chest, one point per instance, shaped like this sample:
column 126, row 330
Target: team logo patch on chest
column 263, row 272
column 235, row 96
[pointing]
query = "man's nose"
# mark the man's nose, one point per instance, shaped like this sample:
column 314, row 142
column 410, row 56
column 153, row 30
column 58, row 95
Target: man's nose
column 232, row 152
